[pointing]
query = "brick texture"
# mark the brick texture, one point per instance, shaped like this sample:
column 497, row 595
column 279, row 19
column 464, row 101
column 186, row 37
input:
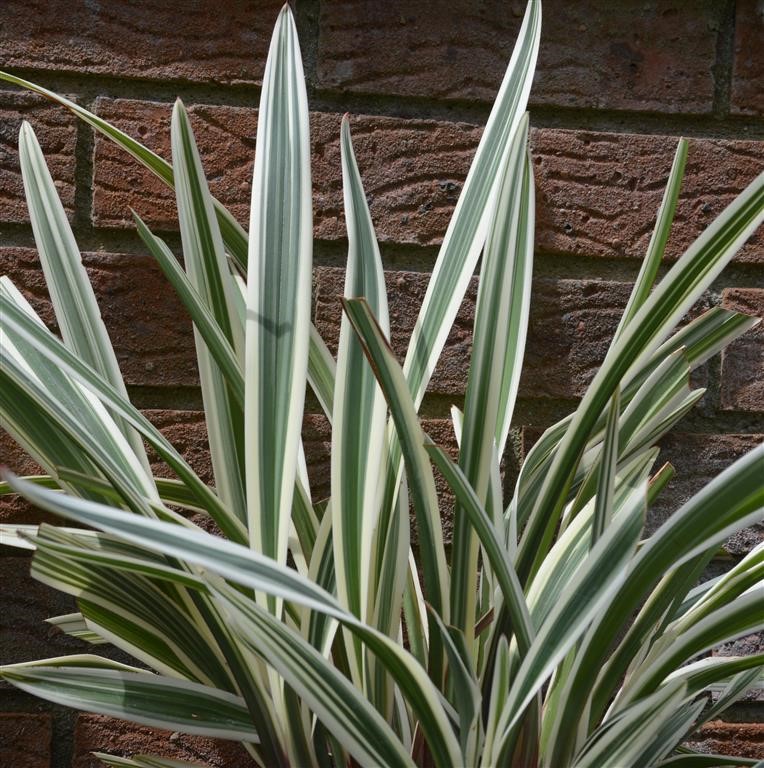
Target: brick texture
column 148, row 40
column 413, row 171
column 643, row 56
column 599, row 193
column 148, row 327
column 95, row 733
column 738, row 739
column 57, row 134
column 571, row 324
column 747, row 97
column 698, row 458
column 742, row 386
column 24, row 605
column 25, row 740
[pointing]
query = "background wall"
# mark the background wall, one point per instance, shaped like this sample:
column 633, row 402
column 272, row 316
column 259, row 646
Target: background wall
column 617, row 82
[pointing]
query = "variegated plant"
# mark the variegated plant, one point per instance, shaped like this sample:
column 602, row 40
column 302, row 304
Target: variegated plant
column 552, row 632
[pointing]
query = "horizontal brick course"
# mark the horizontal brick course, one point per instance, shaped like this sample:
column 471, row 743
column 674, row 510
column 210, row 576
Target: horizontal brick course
column 742, row 385
column 25, row 740
column 24, row 605
column 639, row 56
column 152, row 39
column 146, row 322
column 96, row 733
column 57, row 133
column 697, row 459
column 738, row 739
column 597, row 193
column 572, row 322
column 747, row 96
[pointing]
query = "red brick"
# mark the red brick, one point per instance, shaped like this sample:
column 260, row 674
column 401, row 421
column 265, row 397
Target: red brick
column 698, row 458
column 747, row 96
column 25, row 740
column 186, row 430
column 226, row 139
column 412, row 169
column 95, row 733
column 738, row 739
column 148, row 326
column 572, row 322
column 638, row 56
column 571, row 325
column 12, row 508
column 151, row 39
column 597, row 193
column 318, row 442
column 24, row 605
column 742, row 385
column 55, row 130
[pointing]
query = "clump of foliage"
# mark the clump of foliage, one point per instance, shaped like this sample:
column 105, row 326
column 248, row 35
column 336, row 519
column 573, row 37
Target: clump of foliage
column 552, row 633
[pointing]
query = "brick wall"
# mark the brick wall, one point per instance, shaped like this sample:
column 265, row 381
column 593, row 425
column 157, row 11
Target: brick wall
column 616, row 84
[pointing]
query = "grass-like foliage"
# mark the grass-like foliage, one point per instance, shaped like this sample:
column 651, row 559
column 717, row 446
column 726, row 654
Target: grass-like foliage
column 552, row 632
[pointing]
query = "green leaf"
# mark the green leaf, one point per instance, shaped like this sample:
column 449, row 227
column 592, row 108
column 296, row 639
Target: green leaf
column 337, row 703
column 278, row 293
column 731, row 501
column 233, row 234
column 624, row 739
column 589, row 591
column 251, row 569
column 608, row 465
column 655, row 250
column 209, row 274
column 359, row 412
column 74, row 302
column 320, row 364
column 469, row 224
column 143, row 761
column 504, row 571
column 205, row 323
column 675, row 294
column 52, row 349
column 501, row 320
column 418, row 469
column 161, row 702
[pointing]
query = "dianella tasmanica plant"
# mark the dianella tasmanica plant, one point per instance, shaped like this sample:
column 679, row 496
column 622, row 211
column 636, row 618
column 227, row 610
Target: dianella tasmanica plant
column 552, row 632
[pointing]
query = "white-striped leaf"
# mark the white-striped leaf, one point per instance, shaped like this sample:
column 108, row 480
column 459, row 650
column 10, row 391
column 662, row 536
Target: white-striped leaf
column 161, row 702
column 278, row 293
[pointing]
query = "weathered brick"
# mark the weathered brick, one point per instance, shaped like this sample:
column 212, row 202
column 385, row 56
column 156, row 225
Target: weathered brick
column 698, row 458
column 742, row 384
column 738, row 739
column 226, row 140
column 187, row 432
column 412, row 169
column 199, row 42
column 148, row 327
column 747, row 96
column 571, row 325
column 572, row 322
column 96, row 733
column 639, row 56
column 12, row 508
column 56, row 131
column 597, row 193
column 25, row 740
column 24, row 605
